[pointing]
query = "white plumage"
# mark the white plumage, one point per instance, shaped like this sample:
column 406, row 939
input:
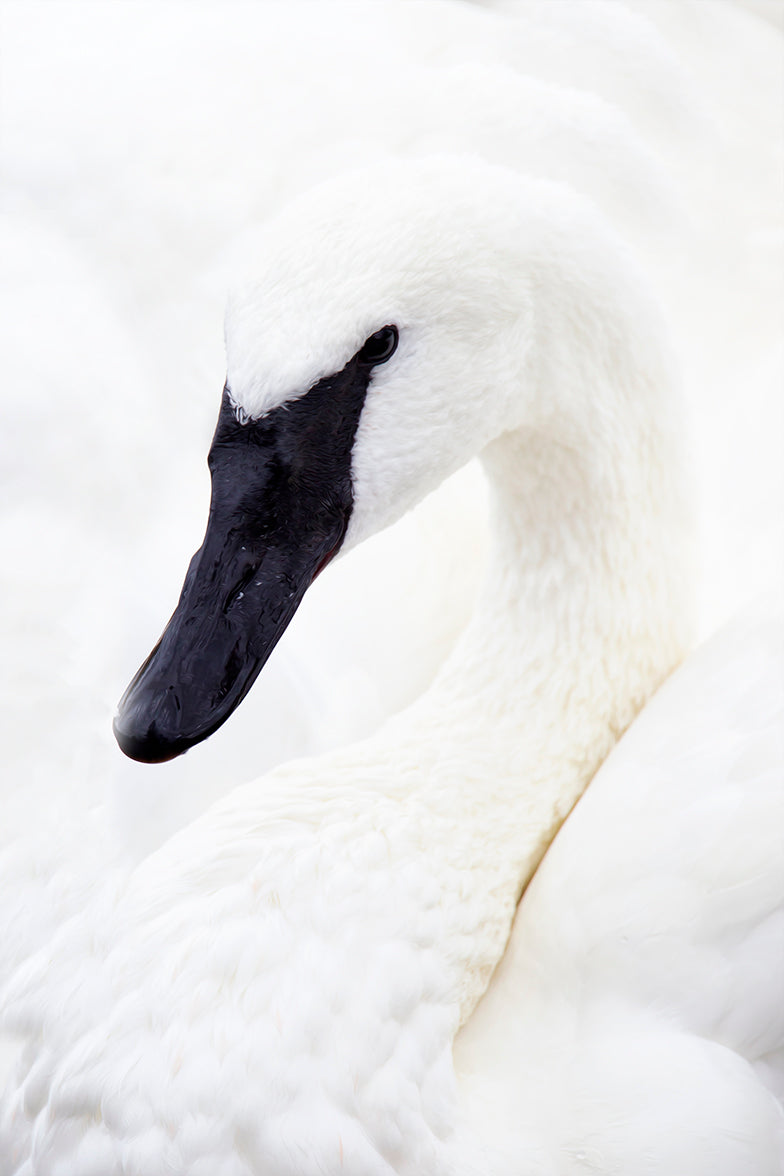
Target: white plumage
column 635, row 1022
column 278, row 988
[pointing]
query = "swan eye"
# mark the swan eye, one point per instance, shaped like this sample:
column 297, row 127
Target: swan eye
column 379, row 347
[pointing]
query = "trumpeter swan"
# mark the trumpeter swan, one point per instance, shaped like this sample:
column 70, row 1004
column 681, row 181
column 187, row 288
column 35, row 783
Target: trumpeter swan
column 579, row 1153
column 322, row 933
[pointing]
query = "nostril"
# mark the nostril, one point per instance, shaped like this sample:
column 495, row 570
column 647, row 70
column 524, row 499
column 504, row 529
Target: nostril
column 238, row 591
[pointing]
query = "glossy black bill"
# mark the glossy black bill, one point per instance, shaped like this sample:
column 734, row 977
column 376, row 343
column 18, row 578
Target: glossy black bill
column 281, row 502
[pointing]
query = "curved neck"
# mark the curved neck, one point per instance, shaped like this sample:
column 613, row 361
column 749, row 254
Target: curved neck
column 584, row 602
column 583, row 612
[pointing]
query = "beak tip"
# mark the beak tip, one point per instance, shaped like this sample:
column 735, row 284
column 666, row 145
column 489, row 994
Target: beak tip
column 147, row 747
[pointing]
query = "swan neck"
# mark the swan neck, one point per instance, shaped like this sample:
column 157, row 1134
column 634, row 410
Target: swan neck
column 582, row 614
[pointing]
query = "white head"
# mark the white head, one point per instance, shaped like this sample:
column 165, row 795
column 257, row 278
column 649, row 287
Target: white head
column 505, row 290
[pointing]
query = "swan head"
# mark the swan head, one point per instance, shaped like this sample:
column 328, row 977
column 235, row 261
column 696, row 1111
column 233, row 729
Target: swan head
column 386, row 337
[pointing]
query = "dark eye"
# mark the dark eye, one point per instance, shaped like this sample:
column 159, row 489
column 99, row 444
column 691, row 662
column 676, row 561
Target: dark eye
column 379, row 347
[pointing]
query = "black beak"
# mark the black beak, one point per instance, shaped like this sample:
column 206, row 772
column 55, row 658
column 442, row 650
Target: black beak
column 281, row 503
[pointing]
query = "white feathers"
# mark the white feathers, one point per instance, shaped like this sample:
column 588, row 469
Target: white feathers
column 651, row 942
column 278, row 989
